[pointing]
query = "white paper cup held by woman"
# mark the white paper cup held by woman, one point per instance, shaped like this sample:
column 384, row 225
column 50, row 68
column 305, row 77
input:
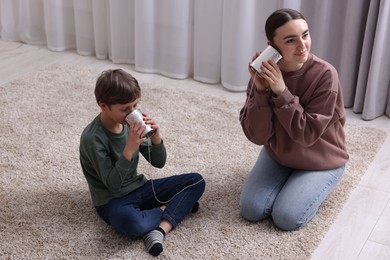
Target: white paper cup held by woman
column 269, row 53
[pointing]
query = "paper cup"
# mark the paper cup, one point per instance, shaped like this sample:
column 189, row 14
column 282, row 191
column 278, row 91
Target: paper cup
column 137, row 116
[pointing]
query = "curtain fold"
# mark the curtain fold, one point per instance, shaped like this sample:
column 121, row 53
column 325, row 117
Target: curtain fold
column 352, row 33
column 164, row 37
column 372, row 96
column 212, row 41
column 59, row 24
column 32, row 22
column 207, row 40
column 242, row 36
column 122, row 38
column 83, row 18
column 9, row 15
column 100, row 28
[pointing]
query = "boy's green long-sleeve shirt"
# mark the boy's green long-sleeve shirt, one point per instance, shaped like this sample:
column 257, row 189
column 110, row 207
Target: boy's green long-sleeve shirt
column 108, row 173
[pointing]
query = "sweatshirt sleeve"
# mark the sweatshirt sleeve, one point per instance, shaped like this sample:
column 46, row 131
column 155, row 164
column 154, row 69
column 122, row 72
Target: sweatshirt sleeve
column 256, row 115
column 155, row 154
column 103, row 164
column 305, row 125
column 113, row 175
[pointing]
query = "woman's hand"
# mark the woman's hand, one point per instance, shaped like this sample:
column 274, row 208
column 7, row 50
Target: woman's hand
column 273, row 75
column 260, row 83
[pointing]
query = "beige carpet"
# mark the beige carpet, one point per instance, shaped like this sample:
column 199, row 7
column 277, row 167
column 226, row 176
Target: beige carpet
column 46, row 211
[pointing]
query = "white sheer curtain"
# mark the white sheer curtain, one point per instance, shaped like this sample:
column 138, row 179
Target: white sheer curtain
column 212, row 41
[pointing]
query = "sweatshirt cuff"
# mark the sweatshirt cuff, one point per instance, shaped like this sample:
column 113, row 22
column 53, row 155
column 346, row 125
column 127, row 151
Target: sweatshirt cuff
column 262, row 98
column 124, row 163
column 284, row 99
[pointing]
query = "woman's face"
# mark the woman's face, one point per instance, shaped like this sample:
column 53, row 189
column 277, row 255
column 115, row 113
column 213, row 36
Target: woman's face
column 294, row 42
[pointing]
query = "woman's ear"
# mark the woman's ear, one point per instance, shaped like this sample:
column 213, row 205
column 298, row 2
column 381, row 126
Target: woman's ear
column 273, row 45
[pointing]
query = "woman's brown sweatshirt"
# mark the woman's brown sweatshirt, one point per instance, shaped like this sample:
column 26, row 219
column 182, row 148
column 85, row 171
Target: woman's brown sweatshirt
column 304, row 127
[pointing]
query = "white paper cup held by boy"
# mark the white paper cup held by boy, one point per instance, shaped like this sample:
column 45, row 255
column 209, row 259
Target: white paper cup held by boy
column 137, row 116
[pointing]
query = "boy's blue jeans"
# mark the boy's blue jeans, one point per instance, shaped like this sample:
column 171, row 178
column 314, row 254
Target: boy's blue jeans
column 290, row 196
column 138, row 212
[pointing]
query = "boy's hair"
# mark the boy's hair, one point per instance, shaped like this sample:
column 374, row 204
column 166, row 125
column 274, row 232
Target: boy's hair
column 116, row 87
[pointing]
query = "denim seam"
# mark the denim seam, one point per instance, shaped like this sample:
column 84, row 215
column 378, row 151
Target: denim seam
column 168, row 217
column 315, row 200
column 268, row 200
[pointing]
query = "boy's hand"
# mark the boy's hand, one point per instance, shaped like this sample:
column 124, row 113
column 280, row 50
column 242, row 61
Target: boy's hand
column 156, row 138
column 135, row 139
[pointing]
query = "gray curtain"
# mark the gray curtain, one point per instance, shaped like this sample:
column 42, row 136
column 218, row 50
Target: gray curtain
column 353, row 35
column 372, row 91
column 212, row 41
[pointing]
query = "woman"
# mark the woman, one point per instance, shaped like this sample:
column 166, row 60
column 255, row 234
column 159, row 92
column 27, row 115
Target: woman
column 295, row 109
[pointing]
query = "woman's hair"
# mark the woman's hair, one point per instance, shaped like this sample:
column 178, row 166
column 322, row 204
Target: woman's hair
column 278, row 18
column 116, row 87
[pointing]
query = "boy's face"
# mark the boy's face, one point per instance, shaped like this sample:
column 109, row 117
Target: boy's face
column 118, row 112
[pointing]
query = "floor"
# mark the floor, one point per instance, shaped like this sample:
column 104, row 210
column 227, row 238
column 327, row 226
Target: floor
column 362, row 229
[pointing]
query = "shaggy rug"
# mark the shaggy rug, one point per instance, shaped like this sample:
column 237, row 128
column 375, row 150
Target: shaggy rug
column 46, row 210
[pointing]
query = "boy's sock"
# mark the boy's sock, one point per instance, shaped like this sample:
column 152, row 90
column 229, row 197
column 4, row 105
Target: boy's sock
column 153, row 241
column 195, row 207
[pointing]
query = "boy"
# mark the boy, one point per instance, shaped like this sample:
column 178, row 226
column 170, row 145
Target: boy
column 109, row 154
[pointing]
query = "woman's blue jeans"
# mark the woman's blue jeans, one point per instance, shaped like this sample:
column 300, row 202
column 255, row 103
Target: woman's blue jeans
column 139, row 212
column 290, row 196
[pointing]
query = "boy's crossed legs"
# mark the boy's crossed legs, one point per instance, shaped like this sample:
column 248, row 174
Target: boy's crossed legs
column 154, row 209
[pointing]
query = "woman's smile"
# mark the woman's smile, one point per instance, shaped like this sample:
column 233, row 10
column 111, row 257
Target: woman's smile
column 301, row 53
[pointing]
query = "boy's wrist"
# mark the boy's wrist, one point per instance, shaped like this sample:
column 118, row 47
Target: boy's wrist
column 128, row 154
column 156, row 139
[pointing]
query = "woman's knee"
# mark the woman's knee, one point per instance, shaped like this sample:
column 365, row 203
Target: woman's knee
column 251, row 210
column 289, row 220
